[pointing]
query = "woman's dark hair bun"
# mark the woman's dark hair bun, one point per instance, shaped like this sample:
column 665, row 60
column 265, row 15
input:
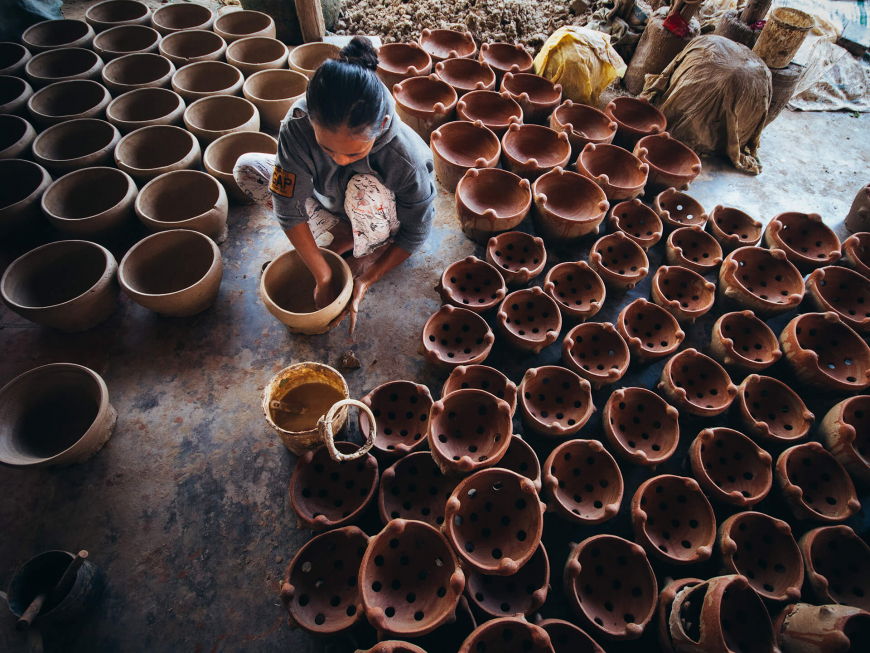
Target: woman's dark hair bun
column 360, row 52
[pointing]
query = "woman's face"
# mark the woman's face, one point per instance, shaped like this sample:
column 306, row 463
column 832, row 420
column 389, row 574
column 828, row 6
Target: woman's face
column 344, row 146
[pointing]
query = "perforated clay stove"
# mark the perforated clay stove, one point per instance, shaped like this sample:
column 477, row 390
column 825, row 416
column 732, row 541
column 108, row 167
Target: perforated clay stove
column 730, row 467
column 582, row 482
column 815, row 485
column 414, row 488
column 565, row 637
column 807, row 241
column 577, row 289
column 596, row 352
column 677, row 210
column 529, row 320
column 649, row 330
column 554, row 401
column 507, row 635
column 845, row 431
column 742, row 341
column 401, row 410
column 455, row 336
column 637, row 221
column 683, row 293
column 843, row 291
column 760, row 280
column 693, row 248
column 771, row 411
column 481, row 377
column 696, row 384
column 641, row 426
column 837, row 565
column 472, row 284
column 619, row 261
column 521, row 593
column 733, row 228
column 518, row 256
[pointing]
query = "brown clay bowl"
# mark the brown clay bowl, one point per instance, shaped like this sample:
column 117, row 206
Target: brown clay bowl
column 666, row 602
column 182, row 48
column 554, row 401
column 596, row 352
column 255, row 53
column 649, row 330
column 51, row 34
column 425, row 103
column 466, row 75
column 111, row 13
column 523, row 460
column 15, row 95
column 242, row 24
column 507, row 635
column 583, row 482
column 671, row 164
column 207, row 78
column 635, row 118
column 583, row 124
column 220, row 158
column 771, row 411
column 506, row 58
column 677, row 210
column 61, row 65
column 696, row 384
column 491, row 201
column 843, row 291
column 730, row 467
column 567, row 206
column 845, row 432
column 621, row 175
column 637, row 221
column 456, row 336
column 565, row 637
column 497, row 111
column 178, row 17
column 683, row 293
column 126, row 39
column 485, row 378
column 13, row 58
column 732, row 228
column 90, row 203
column 468, row 431
column 856, row 253
column 472, row 284
column 145, row 107
column 308, row 57
column 184, row 199
column 837, row 564
column 619, row 261
column 16, row 137
column 459, row 146
column 522, row 593
column 577, row 289
column 693, row 248
column 20, row 195
column 807, row 241
column 401, row 410
column 494, row 521
column 533, row 150
column 320, row 590
column 137, row 70
column 529, row 320
column 518, row 256
column 152, row 151
column 815, row 485
column 611, row 586
column 410, row 580
column 763, row 550
column 443, row 44
column 537, row 96
column 415, row 488
column 62, row 101
column 273, row 92
column 212, row 117
column 760, row 280
column 400, row 61
column 641, row 426
column 75, row 144
column 326, row 494
column 742, row 341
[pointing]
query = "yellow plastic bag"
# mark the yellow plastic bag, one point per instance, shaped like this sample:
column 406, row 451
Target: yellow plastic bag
column 581, row 60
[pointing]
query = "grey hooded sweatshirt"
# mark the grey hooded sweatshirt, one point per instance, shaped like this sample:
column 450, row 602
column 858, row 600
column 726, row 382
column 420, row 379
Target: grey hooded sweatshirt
column 399, row 159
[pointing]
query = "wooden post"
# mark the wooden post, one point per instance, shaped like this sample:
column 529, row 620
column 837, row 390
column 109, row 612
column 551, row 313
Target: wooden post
column 310, row 15
column 755, row 11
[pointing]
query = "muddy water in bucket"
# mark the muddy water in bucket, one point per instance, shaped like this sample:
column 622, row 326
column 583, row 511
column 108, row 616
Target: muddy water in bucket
column 303, row 405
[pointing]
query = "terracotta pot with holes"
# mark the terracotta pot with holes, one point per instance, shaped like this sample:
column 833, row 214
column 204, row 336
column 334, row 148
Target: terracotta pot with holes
column 730, row 467
column 415, row 488
column 273, row 92
column 210, row 118
column 649, row 330
column 507, row 635
column 693, row 248
column 856, row 253
column 126, row 39
column 466, row 75
column 400, row 61
column 637, row 221
column 64, row 101
column 16, row 137
column 305, row 58
column 537, row 96
column 684, row 294
column 583, row 124
column 220, row 158
column 520, row 594
column 771, row 411
column 111, row 13
column 460, row 146
column 733, row 228
column 468, row 431
column 760, row 280
column 666, row 601
column 583, row 482
column 13, row 58
column 75, row 144
column 567, row 206
column 744, row 342
column 611, row 587
column 529, row 320
column 61, row 65
column 555, row 402
column 697, row 384
column 425, row 103
column 519, row 257
column 491, row 201
column 182, row 16
column 506, row 58
column 641, row 426
column 635, row 118
column 401, row 409
column 182, row 48
column 619, row 261
column 255, row 53
column 565, row 637
column 184, row 199
column 482, row 377
column 677, row 210
column 596, row 352
column 843, row 291
column 443, row 44
column 52, row 34
column 805, row 628
column 494, row 521
column 320, row 590
column 837, row 564
column 138, row 70
column 523, row 460
column 577, row 289
column 152, row 151
column 671, row 164
column 455, row 336
column 534, row 150
column 497, row 111
column 472, row 284
column 807, row 241
column 207, row 78
column 145, row 107
column 243, row 24
column 90, row 203
column 621, row 175
column 15, row 95
column 845, row 432
column 24, row 184
column 815, row 485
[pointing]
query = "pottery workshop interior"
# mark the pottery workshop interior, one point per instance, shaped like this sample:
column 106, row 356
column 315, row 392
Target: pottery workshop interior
column 435, row 326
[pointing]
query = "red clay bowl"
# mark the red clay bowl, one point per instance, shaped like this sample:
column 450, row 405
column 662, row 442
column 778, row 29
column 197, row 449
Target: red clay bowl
column 518, row 256
column 466, row 75
column 693, row 248
column 596, row 352
column 730, row 467
column 497, row 111
column 760, row 280
column 537, row 96
column 637, row 221
column 522, row 593
column 771, row 411
column 533, row 150
column 807, row 241
column 641, row 426
column 843, row 291
column 619, row 261
column 443, row 44
column 733, row 228
column 401, row 410
column 635, row 118
column 460, row 146
column 697, row 384
column 577, row 289
column 837, row 564
column 491, row 201
column 472, row 284
column 456, row 336
column 529, row 320
column 567, row 206
column 649, row 330
column 583, row 482
column 555, row 402
column 677, row 210
column 506, row 58
column 621, row 175
column 671, row 164
column 583, row 124
column 742, row 341
column 683, row 293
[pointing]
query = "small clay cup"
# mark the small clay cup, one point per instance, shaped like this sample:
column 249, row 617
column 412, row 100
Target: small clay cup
column 523, row 460
column 255, row 53
column 273, row 92
column 506, row 58
column 671, row 164
column 771, row 411
column 730, row 467
column 621, row 175
column 61, row 65
column 13, row 58
column 520, row 594
column 320, row 590
column 126, row 39
column 611, row 587
column 507, row 635
column 565, row 637
column 843, row 291
column 15, row 95
column 815, row 485
column 443, row 44
column 145, row 107
column 641, row 426
column 20, row 195
column 619, row 261
column 485, row 378
column 425, row 103
column 732, row 228
column 75, row 144
column 649, row 330
column 742, row 341
column 64, row 101
column 760, row 280
column 827, row 627
column 666, row 602
column 497, row 111
column 184, row 199
column 529, row 320
column 182, row 48
column 807, row 241
column 693, row 248
column 111, row 13
column 635, row 118
column 243, row 24
column 596, row 352
column 468, row 431
column 207, row 78
column 152, row 151
column 138, row 70
column 472, row 284
column 459, row 146
column 415, row 488
column 845, row 431
column 455, row 336
column 307, row 58
column 401, row 409
column 62, row 33
column 577, row 289
column 583, row 124
column 491, row 201
column 637, row 221
column 583, row 482
column 762, row 549
column 494, row 521
column 677, row 210
column 837, row 564
column 220, row 158
column 518, row 256
column 555, row 402
column 16, row 137
column 90, row 203
column 466, row 75
column 400, row 61
column 856, row 253
column 696, row 384
column 567, row 206
column 537, row 96
column 212, row 117
column 179, row 17
column 684, row 294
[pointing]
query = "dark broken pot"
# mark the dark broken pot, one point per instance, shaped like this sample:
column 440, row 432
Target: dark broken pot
column 641, row 426
column 583, row 482
column 808, row 628
column 531, row 151
column 677, row 210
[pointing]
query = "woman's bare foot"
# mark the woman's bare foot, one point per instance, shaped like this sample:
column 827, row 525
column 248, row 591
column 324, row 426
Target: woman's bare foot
column 358, row 266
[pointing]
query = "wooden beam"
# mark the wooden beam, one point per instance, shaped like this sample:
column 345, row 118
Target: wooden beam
column 310, row 14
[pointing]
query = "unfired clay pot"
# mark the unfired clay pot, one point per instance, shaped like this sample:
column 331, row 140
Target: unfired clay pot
column 677, row 210
column 400, row 61
column 730, row 467
column 51, row 34
column 520, row 594
column 635, row 119
column 182, row 48
column 466, row 75
column 760, row 280
column 732, row 228
column 621, row 175
column 13, row 58
column 320, row 590
column 472, row 284
column 415, row 488
column 641, row 426
column 837, row 564
column 16, row 137
column 815, row 485
column 555, row 402
column 649, row 330
column 137, row 70
column 506, row 58
column 212, row 117
column 583, row 124
column 583, row 482
column 671, row 164
column 425, row 103
column 255, row 53
column 182, row 16
column 184, row 199
column 76, row 144
column 684, row 294
column 518, row 256
column 63, row 64
column 666, row 601
column 529, row 320
column 273, row 92
column 807, row 241
column 494, row 521
column 207, row 78
column 401, row 410
column 845, row 432
column 57, row 414
column 152, row 151
column 485, row 378
column 15, row 95
column 808, row 628
column 443, row 44
column 469, row 430
column 619, row 261
column 611, row 587
column 491, row 201
column 565, row 637
column 771, row 411
column 637, row 221
column 220, row 158
column 843, row 291
column 537, row 96
column 20, row 195
column 176, row 273
column 742, row 341
column 497, row 111
column 693, row 248
column 459, row 146
column 87, row 296
column 696, row 384
column 242, row 24
column 596, row 352
column 305, row 58
column 507, row 635
column 126, row 39
column 90, row 203
column 523, row 460
column 456, row 336
column 762, row 549
column 856, row 253
column 64, row 101
column 145, row 107
column 111, row 13
column 577, row 289
column 567, row 205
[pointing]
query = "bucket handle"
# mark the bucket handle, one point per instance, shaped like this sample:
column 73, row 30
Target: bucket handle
column 324, row 427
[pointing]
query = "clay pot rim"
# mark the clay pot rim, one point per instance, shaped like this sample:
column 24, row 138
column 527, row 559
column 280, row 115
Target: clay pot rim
column 228, row 17
column 557, row 139
column 597, row 114
column 527, row 448
column 672, row 271
column 406, row 86
column 795, row 493
column 139, row 134
column 528, row 61
column 616, row 222
column 479, row 175
column 774, row 240
column 627, row 159
column 153, row 187
column 131, row 186
column 462, row 104
column 492, row 624
column 670, row 413
column 502, row 408
column 224, row 99
column 554, row 96
column 66, row 116
column 147, row 90
column 427, row 34
column 809, row 357
column 456, row 125
column 728, row 343
column 368, row 400
column 488, row 83
column 595, row 648
column 387, row 65
column 175, row 36
column 315, row 314
column 24, row 162
column 168, row 9
column 731, row 264
column 72, row 125
column 850, row 246
column 705, row 437
column 293, row 56
column 584, row 269
column 844, row 429
column 510, row 386
column 119, row 28
column 596, row 257
column 699, row 233
column 814, row 288
column 473, row 261
column 25, row 55
column 755, row 379
column 271, row 72
column 593, row 376
column 21, row 123
column 658, row 125
column 731, row 238
column 39, row 47
column 589, row 187
column 284, row 373
column 643, row 152
column 45, row 54
column 537, row 599
column 585, row 387
column 551, row 481
column 95, row 21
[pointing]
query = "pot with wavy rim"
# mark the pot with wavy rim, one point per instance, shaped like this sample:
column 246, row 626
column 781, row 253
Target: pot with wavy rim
column 732, row 228
column 506, row 58
column 619, row 261
column 472, row 284
column 596, row 352
column 485, row 378
column 459, row 146
column 650, row 331
column 576, row 288
column 815, row 485
column 443, row 44
column 671, row 164
column 730, row 467
column 807, row 241
column 466, row 75
column 537, row 95
column 637, row 221
column 641, row 426
column 555, row 402
column 843, row 291
column 635, row 118
column 400, row 61
column 583, row 482
column 760, row 280
column 837, row 563
column 491, row 201
column 470, row 348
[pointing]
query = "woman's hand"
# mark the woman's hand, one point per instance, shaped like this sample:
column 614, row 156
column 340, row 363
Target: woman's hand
column 360, row 288
column 324, row 292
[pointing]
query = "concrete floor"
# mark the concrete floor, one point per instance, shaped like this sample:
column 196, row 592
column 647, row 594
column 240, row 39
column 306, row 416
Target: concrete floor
column 186, row 508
